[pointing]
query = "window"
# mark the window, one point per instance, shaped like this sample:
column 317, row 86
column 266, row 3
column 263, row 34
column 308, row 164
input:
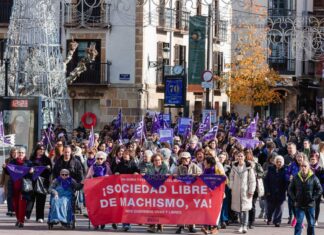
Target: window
column 5, row 11
column 92, row 75
column 218, row 62
column 178, row 14
column 222, row 31
column 162, row 13
column 180, row 55
column 159, row 59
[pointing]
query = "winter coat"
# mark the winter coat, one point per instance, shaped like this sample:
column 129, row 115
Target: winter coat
column 242, row 184
column 292, row 170
column 126, row 167
column 276, row 184
column 73, row 165
column 162, row 171
column 192, row 169
column 304, row 193
column 143, row 166
column 319, row 172
column 44, row 161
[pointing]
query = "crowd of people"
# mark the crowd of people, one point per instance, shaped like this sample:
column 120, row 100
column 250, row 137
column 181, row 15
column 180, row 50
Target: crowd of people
column 286, row 164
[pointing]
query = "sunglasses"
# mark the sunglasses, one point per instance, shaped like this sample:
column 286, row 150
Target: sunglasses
column 100, row 158
column 64, row 174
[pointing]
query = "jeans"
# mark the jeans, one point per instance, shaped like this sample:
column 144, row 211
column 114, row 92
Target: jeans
column 274, row 212
column 225, row 206
column 244, row 218
column 317, row 208
column 252, row 211
column 309, row 212
column 291, row 208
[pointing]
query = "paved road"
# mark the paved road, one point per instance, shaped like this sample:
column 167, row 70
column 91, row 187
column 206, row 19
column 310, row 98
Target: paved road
column 33, row 228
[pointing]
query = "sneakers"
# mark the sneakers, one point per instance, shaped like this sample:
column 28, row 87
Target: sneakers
column 40, row 221
column 293, row 222
column 126, row 228
column 244, row 229
column 179, row 230
column 223, row 225
column 240, row 230
column 114, row 226
column 151, row 229
column 316, row 223
column 192, row 229
column 277, row 225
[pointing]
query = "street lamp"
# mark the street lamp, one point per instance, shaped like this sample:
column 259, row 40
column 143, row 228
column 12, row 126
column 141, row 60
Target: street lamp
column 161, row 64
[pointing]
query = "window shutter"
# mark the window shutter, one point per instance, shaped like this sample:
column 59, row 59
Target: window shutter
column 176, row 54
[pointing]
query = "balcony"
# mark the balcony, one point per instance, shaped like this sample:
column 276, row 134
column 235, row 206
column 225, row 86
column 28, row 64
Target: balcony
column 282, row 65
column 5, row 13
column 179, row 22
column 280, row 12
column 80, row 15
column 96, row 74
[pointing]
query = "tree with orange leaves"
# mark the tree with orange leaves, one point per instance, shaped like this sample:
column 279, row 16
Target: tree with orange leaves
column 250, row 81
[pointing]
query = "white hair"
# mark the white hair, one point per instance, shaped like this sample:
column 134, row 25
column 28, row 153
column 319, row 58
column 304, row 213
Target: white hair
column 280, row 158
column 101, row 154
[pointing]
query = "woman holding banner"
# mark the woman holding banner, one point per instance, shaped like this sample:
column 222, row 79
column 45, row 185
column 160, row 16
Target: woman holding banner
column 187, row 167
column 210, row 168
column 125, row 166
column 158, row 167
column 39, row 161
column 98, row 169
column 19, row 169
column 243, row 184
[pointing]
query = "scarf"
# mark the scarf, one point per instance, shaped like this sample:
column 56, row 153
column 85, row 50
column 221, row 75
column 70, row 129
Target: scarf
column 90, row 162
column 209, row 171
column 20, row 161
column 315, row 167
column 99, row 170
column 65, row 183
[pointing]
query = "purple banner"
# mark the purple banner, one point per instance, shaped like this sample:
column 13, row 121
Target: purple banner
column 248, row 143
column 155, row 180
column 17, row 172
column 38, row 170
column 213, row 181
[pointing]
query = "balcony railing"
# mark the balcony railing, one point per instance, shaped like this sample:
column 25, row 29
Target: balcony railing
column 283, row 65
column 279, row 12
column 96, row 74
column 79, row 15
column 5, row 12
column 180, row 19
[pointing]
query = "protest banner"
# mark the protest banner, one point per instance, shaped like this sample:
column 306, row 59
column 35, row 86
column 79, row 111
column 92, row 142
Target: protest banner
column 154, row 199
column 183, row 125
column 166, row 135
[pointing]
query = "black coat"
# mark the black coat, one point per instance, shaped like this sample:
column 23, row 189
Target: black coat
column 44, row 161
column 128, row 167
column 73, row 165
column 276, row 184
column 304, row 193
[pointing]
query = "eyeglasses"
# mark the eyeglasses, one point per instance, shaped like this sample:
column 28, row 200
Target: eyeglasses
column 21, row 152
column 99, row 158
column 158, row 160
column 64, row 174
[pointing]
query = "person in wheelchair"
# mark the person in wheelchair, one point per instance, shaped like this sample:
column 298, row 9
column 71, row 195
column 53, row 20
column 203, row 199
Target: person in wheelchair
column 62, row 202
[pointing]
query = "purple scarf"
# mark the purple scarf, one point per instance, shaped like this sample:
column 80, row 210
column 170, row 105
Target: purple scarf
column 90, row 162
column 99, row 170
column 65, row 183
column 210, row 171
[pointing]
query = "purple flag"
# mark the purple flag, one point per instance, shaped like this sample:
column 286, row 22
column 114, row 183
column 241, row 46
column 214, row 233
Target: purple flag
column 269, row 122
column 1, row 127
column 211, row 134
column 187, row 179
column 118, row 121
column 212, row 181
column 17, row 172
column 203, row 127
column 248, row 143
column 251, row 130
column 139, row 132
column 155, row 180
column 38, row 170
column 91, row 138
column 232, row 129
column 156, row 126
